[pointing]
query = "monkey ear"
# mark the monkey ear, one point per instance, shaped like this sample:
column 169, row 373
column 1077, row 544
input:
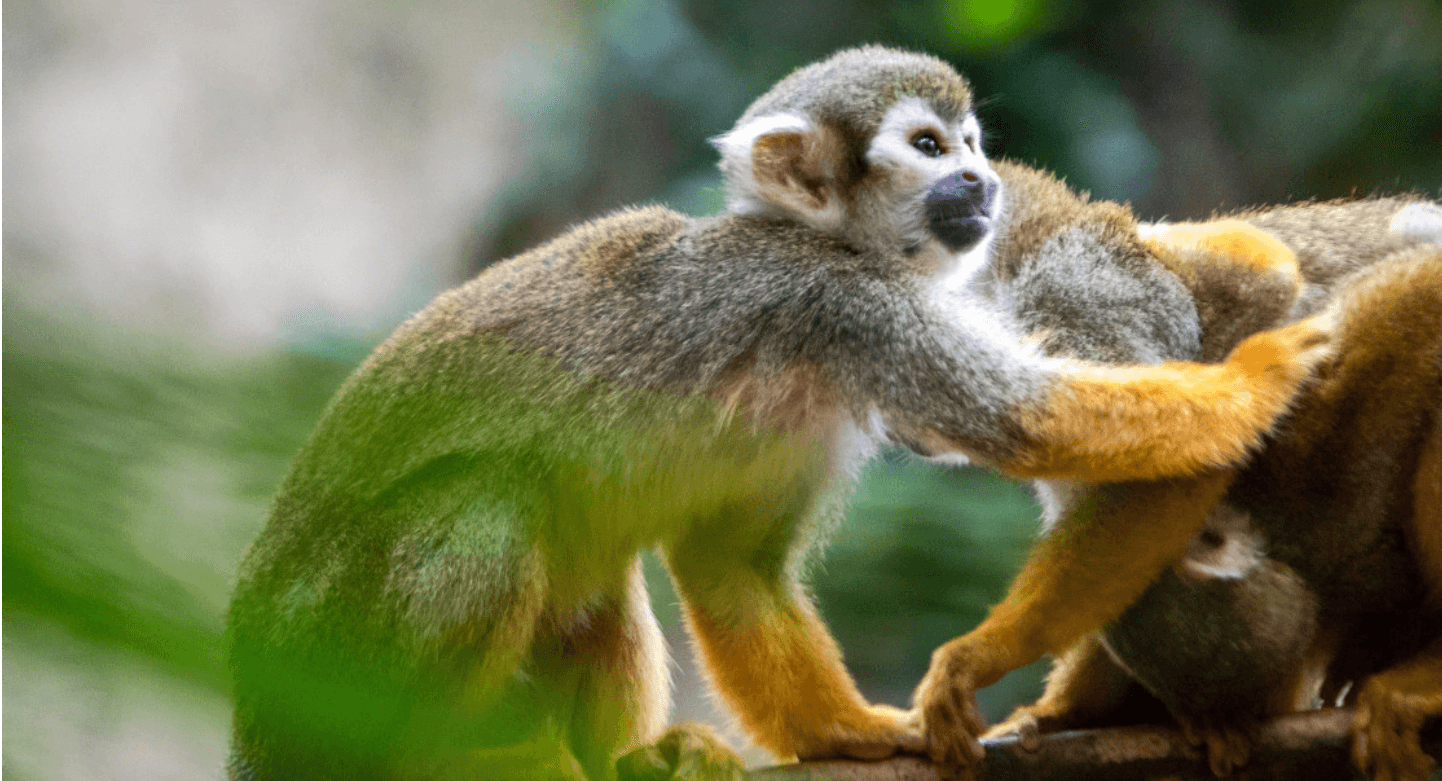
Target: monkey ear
column 783, row 165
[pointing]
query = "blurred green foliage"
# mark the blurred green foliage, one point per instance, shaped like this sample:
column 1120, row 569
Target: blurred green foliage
column 134, row 474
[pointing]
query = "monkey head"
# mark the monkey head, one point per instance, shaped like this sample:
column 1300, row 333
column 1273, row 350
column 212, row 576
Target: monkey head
column 876, row 147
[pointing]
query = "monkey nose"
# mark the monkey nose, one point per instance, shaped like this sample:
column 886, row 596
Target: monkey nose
column 965, row 193
column 959, row 205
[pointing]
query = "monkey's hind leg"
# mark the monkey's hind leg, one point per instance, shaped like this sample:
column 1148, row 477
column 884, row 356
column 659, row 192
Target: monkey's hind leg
column 1393, row 704
column 609, row 660
column 768, row 654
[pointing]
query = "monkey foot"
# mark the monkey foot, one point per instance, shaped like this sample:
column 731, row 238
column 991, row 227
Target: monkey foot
column 1228, row 743
column 1288, row 355
column 880, row 732
column 686, row 752
column 1390, row 711
column 946, row 701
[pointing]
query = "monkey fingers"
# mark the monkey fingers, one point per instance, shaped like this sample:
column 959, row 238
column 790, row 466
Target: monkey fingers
column 686, row 752
column 1229, row 743
column 1085, row 688
column 1390, row 712
column 946, row 701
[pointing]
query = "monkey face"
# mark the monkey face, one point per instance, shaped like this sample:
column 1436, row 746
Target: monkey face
column 943, row 187
column 877, row 148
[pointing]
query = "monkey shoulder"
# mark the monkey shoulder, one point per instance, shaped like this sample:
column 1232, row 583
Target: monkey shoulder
column 1079, row 278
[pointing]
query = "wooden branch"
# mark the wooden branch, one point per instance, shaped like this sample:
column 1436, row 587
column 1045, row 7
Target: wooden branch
column 1313, row 745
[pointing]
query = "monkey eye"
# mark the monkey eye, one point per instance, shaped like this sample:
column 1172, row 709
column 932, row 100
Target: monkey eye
column 927, row 143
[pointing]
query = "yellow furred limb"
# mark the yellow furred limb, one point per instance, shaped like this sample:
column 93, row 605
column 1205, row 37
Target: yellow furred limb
column 1041, row 615
column 1244, row 243
column 1141, row 422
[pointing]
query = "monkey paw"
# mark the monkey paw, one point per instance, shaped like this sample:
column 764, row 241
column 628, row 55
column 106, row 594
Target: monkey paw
column 1287, row 356
column 1229, row 743
column 686, row 752
column 1027, row 724
column 878, row 732
column 1390, row 711
column 946, row 700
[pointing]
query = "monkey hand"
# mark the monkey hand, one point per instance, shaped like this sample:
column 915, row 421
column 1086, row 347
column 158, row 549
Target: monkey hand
column 1229, row 743
column 876, row 732
column 686, row 752
column 1287, row 357
column 1027, row 724
column 946, row 702
column 1390, row 711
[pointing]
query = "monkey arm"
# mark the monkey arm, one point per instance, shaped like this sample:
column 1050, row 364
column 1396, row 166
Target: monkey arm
column 1095, row 562
column 1130, row 423
column 1101, row 423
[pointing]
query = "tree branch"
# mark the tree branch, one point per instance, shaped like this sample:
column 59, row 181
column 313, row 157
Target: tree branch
column 1313, row 745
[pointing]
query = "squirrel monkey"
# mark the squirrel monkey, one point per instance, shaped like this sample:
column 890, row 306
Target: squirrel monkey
column 1244, row 273
column 448, row 585
column 1318, row 579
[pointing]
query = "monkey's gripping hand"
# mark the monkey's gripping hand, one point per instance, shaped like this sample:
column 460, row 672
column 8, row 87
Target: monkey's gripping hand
column 686, row 752
column 1095, row 561
column 945, row 702
column 1390, row 712
column 1106, row 424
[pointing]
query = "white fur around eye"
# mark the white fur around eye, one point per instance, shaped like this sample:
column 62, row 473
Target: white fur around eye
column 971, row 130
column 892, row 145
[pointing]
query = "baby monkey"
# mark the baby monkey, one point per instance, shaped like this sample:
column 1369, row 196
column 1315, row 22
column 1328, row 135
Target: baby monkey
column 449, row 583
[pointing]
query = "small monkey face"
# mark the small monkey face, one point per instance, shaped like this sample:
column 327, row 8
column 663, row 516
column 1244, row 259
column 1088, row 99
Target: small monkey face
column 873, row 147
column 948, row 191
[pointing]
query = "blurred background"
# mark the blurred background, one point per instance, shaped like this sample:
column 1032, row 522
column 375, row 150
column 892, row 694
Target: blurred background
column 213, row 209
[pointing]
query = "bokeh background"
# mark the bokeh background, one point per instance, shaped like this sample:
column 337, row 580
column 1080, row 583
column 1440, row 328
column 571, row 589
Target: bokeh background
column 214, row 208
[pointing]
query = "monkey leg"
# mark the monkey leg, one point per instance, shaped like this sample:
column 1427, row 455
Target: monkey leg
column 608, row 663
column 1393, row 704
column 1390, row 712
column 1252, row 281
column 686, row 752
column 771, row 658
column 1093, row 564
column 1243, row 245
